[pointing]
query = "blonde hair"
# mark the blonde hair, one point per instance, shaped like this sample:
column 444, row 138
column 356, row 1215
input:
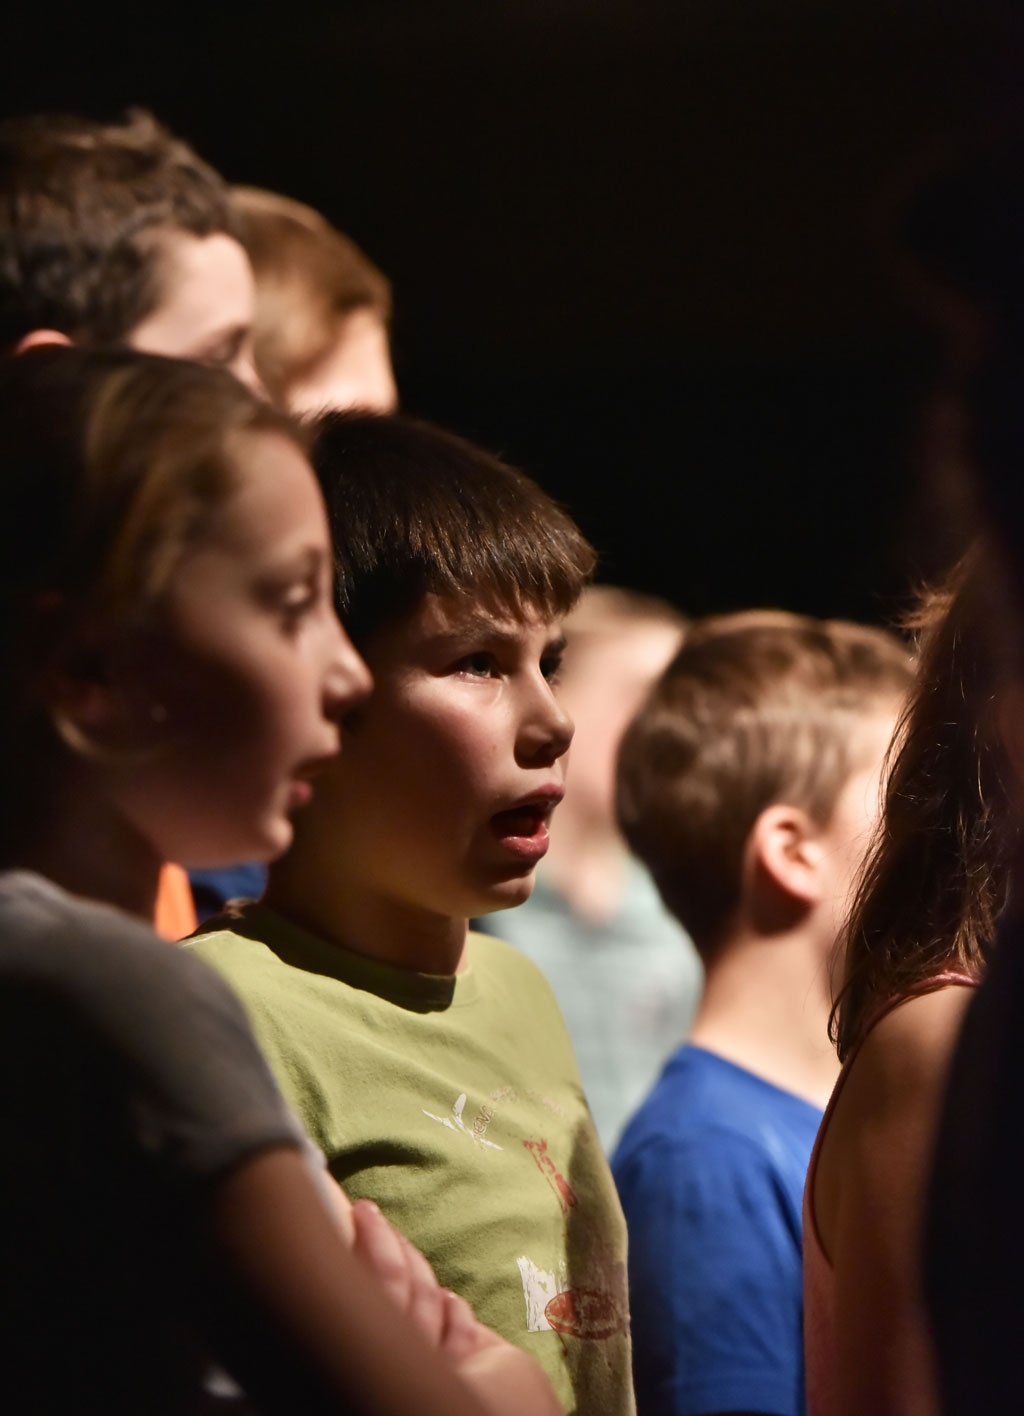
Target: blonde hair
column 309, row 279
column 111, row 463
column 756, row 708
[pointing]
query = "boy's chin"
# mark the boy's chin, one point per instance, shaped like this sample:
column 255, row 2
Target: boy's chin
column 507, row 894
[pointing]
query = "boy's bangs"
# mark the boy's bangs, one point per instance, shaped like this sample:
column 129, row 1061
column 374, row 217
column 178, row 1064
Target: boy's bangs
column 524, row 570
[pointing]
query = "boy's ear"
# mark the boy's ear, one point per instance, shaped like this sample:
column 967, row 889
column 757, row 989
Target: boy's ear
column 785, row 852
column 38, row 337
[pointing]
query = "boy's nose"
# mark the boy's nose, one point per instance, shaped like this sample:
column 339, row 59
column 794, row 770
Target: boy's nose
column 547, row 731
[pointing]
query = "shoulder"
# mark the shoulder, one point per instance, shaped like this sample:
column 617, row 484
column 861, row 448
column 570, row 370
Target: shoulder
column 904, row 1058
column 88, row 950
column 241, row 952
column 699, row 1124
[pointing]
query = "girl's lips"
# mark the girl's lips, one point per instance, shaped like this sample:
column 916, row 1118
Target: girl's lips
column 300, row 792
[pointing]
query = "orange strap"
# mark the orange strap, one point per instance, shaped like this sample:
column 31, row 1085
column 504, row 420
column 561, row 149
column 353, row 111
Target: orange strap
column 175, row 914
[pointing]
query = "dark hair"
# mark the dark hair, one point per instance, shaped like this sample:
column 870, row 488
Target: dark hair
column 937, row 878
column 756, row 708
column 415, row 510
column 110, row 464
column 82, row 206
column 309, row 278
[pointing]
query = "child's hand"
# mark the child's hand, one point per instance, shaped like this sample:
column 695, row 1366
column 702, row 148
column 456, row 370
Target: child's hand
column 410, row 1282
column 507, row 1381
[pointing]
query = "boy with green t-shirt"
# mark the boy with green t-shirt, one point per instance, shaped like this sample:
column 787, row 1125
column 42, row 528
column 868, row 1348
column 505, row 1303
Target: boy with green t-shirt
column 431, row 1064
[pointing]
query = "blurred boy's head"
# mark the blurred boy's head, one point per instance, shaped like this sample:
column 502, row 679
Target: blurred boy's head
column 617, row 642
column 453, row 573
column 117, row 234
column 322, row 309
column 749, row 781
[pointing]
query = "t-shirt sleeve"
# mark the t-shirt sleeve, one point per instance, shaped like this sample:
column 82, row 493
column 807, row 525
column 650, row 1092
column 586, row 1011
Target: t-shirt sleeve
column 715, row 1279
column 166, row 1033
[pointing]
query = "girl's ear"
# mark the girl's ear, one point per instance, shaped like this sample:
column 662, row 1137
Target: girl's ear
column 82, row 700
column 75, row 681
column 785, row 851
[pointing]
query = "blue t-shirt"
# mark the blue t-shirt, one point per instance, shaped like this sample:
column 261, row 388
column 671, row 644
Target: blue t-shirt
column 711, row 1174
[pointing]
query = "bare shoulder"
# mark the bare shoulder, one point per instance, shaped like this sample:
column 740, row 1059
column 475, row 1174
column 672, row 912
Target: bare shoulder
column 900, row 1069
column 888, row 1106
column 906, row 1054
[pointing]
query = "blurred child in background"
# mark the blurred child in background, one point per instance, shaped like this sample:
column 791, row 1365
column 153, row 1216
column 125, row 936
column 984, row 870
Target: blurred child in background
column 322, row 309
column 749, row 784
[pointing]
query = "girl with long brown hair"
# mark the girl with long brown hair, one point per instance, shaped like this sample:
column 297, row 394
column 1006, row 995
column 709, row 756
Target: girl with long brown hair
column 922, row 921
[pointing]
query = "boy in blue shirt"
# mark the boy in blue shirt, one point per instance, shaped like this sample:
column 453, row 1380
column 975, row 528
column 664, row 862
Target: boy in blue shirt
column 749, row 786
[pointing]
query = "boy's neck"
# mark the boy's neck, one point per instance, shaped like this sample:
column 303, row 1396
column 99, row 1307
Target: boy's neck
column 388, row 930
column 765, row 1007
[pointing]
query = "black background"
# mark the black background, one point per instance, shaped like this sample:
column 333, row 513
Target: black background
column 635, row 246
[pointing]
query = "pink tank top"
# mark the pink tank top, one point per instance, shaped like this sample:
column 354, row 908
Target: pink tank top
column 819, row 1290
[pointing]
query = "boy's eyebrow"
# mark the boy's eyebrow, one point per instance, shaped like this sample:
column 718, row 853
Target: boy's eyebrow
column 491, row 629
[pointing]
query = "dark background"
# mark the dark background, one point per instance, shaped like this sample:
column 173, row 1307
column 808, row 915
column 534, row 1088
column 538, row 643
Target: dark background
column 638, row 247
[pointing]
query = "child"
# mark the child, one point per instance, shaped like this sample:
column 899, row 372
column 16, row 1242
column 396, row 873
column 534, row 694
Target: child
column 626, row 976
column 749, row 786
column 322, row 309
column 925, row 915
column 118, row 234
column 174, row 676
column 432, row 1065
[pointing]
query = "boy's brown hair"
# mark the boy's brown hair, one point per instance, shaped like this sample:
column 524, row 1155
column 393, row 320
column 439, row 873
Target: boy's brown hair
column 757, row 708
column 415, row 510
column 309, row 279
column 82, row 206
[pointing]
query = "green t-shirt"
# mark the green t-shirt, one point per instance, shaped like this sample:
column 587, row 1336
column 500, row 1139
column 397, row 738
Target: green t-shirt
column 456, row 1104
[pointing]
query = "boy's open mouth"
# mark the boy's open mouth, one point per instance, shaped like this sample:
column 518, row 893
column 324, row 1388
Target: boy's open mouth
column 521, row 820
column 523, row 828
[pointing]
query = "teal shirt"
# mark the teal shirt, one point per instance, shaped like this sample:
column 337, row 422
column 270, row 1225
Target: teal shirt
column 455, row 1104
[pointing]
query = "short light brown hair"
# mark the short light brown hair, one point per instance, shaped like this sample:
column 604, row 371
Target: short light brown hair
column 82, row 205
column 310, row 278
column 757, row 708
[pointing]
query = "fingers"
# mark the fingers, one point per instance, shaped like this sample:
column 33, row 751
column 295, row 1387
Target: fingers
column 428, row 1301
column 462, row 1335
column 401, row 1268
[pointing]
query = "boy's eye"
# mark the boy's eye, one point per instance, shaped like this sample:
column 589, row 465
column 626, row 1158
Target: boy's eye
column 551, row 667
column 481, row 664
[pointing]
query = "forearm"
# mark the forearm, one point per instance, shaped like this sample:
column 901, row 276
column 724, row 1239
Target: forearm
column 307, row 1326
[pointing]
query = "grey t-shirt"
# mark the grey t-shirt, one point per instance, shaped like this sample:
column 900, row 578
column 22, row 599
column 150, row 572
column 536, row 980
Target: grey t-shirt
column 129, row 1081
